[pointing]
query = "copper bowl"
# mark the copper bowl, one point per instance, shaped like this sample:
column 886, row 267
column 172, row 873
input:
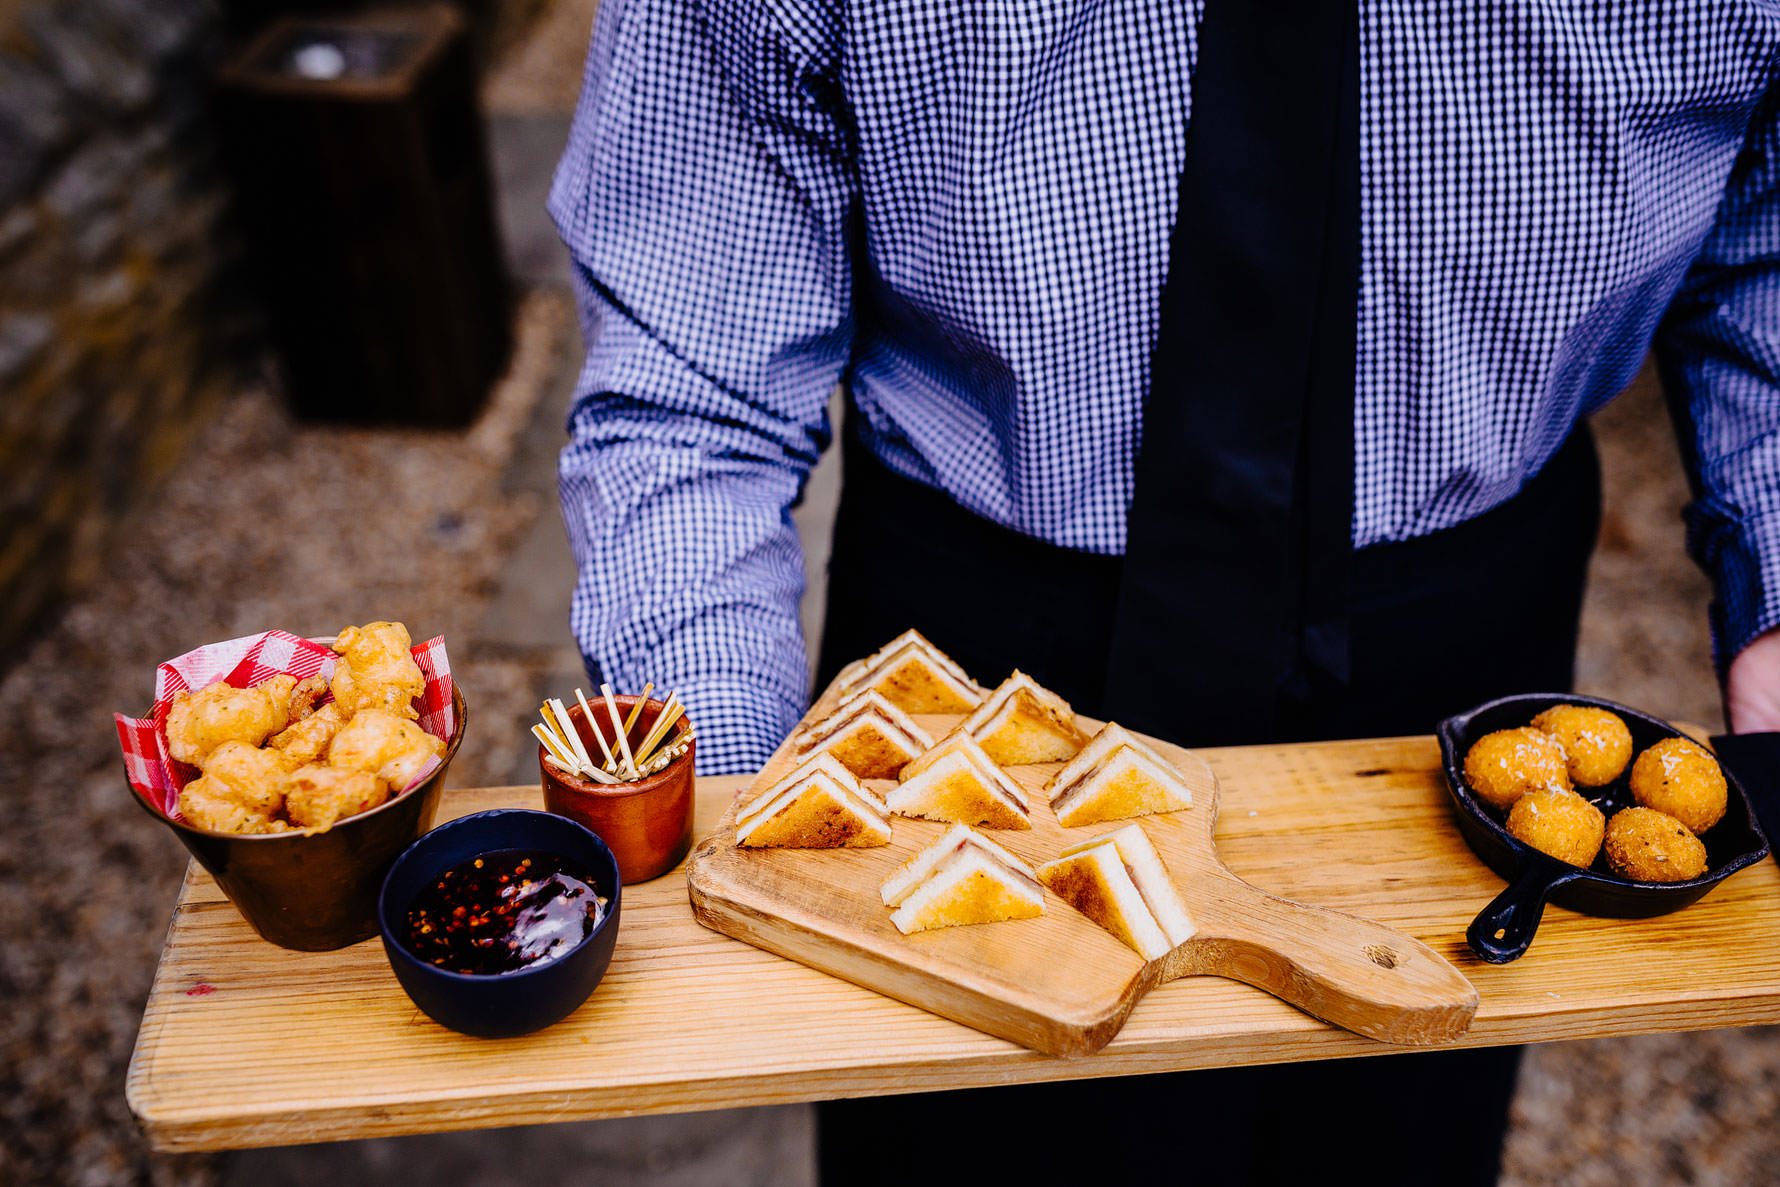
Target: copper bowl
column 317, row 891
column 647, row 824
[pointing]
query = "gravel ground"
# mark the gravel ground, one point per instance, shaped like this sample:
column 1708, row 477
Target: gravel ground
column 268, row 524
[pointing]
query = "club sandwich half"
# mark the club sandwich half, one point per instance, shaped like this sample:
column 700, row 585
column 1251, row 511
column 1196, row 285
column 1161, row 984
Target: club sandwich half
column 916, row 676
column 957, row 783
column 1024, row 722
column 869, row 735
column 820, row 805
column 1118, row 880
column 1116, row 776
column 963, row 877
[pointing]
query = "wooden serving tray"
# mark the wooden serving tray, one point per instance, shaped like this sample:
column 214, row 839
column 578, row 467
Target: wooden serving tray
column 244, row 1044
column 1059, row 983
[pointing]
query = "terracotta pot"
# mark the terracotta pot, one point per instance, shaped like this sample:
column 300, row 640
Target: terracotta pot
column 317, row 891
column 647, row 824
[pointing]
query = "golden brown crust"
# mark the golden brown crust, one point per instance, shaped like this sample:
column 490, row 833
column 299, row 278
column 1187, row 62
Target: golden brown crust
column 1505, row 765
column 1560, row 823
column 1681, row 779
column 814, row 820
column 1651, row 846
column 1596, row 742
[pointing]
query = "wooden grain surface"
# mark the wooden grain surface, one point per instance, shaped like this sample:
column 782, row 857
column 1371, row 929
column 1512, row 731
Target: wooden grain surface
column 243, row 1044
column 1059, row 983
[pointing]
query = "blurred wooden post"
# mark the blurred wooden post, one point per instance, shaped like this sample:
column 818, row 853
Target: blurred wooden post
column 358, row 155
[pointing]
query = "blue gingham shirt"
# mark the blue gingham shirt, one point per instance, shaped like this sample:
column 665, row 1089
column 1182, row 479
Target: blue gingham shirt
column 963, row 211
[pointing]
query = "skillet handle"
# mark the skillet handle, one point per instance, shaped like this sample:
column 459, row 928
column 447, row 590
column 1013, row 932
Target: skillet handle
column 1503, row 931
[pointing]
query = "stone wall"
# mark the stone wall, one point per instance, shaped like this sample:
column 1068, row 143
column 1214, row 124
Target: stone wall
column 117, row 326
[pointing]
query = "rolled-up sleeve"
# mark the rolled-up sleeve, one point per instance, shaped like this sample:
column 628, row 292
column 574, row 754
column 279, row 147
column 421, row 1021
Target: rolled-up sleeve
column 705, row 197
column 1720, row 354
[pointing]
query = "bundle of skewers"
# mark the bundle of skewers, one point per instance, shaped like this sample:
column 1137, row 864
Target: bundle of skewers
column 623, row 762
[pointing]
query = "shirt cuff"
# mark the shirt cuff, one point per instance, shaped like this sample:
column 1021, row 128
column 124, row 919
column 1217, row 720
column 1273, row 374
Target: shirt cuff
column 1742, row 556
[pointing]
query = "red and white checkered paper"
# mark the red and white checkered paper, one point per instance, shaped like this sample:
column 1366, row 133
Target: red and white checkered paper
column 243, row 663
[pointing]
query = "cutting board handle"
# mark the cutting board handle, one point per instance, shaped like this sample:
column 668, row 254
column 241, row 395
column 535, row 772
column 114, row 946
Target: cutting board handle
column 1353, row 972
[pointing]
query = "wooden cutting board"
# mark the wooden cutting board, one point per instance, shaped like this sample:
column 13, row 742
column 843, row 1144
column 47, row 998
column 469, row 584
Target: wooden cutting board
column 1059, row 983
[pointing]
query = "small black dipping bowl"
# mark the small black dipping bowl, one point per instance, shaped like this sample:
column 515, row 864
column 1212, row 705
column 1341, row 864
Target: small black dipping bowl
column 506, row 1004
column 1504, row 930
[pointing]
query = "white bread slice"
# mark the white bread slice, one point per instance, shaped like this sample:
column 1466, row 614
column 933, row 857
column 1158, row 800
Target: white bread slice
column 969, row 885
column 903, row 881
column 1096, row 883
column 1149, row 877
column 955, row 782
column 857, row 703
column 821, row 805
column 915, row 675
column 1112, row 735
column 875, row 662
column 869, row 736
column 1024, row 722
column 1120, row 778
column 824, row 763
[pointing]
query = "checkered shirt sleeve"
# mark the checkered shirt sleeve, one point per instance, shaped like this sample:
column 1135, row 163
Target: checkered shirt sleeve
column 705, row 197
column 1720, row 352
column 965, row 211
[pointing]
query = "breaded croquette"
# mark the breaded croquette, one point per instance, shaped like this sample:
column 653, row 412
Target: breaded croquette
column 1682, row 779
column 1650, row 846
column 1503, row 766
column 1596, row 742
column 1560, row 823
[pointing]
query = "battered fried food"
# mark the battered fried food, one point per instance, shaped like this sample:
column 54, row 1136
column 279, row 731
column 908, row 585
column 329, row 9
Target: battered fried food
column 376, row 670
column 304, row 695
column 316, row 795
column 1682, row 779
column 1596, row 742
column 270, row 759
column 306, row 741
column 1560, row 823
column 1650, row 846
column 385, row 745
column 240, row 791
column 1503, row 766
column 199, row 723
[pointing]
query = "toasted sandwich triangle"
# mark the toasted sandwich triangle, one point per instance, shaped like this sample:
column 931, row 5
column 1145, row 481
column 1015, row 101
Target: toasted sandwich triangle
column 968, row 887
column 1126, row 782
column 955, row 782
column 1096, row 883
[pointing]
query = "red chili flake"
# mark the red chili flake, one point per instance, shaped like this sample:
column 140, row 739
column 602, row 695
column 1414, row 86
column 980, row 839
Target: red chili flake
column 200, row 989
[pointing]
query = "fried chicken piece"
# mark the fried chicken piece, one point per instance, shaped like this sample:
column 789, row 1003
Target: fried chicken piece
column 199, row 723
column 390, row 747
column 376, row 670
column 306, row 740
column 304, row 695
column 240, row 791
column 315, row 796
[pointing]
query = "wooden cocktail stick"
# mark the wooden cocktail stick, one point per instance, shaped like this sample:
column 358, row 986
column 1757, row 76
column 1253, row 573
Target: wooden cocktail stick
column 670, row 713
column 566, row 726
column 618, row 725
column 636, row 710
column 593, row 725
column 553, row 747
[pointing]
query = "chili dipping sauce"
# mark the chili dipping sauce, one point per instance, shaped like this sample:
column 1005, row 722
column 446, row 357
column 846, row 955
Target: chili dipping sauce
column 502, row 912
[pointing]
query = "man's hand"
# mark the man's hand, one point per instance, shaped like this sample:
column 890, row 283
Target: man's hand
column 1752, row 687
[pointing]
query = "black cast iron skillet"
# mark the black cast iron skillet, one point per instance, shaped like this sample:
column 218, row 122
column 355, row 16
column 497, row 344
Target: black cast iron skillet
column 1505, row 929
